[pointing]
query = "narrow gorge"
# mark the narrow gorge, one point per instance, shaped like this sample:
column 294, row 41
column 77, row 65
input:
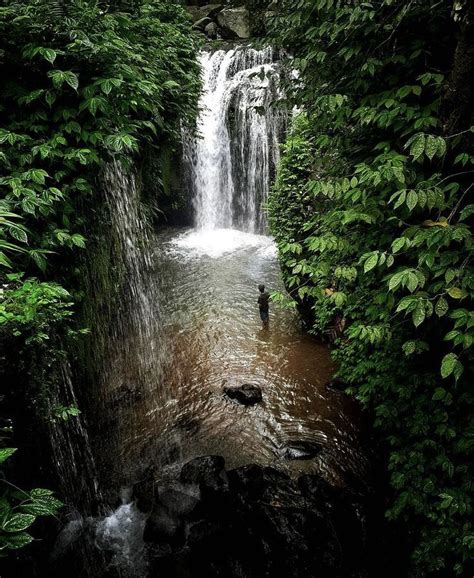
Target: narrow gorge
column 236, row 289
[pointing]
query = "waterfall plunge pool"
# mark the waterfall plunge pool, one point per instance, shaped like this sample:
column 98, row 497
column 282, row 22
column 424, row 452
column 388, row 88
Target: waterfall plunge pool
column 210, row 336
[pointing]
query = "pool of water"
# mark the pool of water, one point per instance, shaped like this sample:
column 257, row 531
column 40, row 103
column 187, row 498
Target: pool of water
column 203, row 334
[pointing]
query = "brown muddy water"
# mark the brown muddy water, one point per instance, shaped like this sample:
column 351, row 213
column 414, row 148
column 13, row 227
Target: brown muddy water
column 163, row 391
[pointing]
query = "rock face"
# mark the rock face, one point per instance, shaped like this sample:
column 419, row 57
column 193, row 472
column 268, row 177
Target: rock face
column 252, row 522
column 235, row 22
column 247, row 394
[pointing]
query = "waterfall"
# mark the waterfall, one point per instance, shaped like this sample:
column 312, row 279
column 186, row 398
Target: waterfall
column 232, row 160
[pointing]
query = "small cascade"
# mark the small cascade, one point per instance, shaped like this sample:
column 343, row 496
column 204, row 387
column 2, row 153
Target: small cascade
column 71, row 448
column 231, row 163
column 130, row 229
column 120, row 534
column 131, row 352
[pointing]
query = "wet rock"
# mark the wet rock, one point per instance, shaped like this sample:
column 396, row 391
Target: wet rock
column 203, row 532
column 265, row 524
column 302, row 450
column 303, row 541
column 125, row 395
column 246, row 394
column 143, row 490
column 212, row 30
column 202, row 23
column 254, row 481
column 207, row 472
column 314, row 486
column 206, row 11
column 161, row 526
column 176, row 501
column 234, row 22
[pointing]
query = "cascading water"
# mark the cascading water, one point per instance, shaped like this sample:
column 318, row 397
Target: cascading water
column 232, row 161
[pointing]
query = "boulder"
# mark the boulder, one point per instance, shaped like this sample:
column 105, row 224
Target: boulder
column 212, row 30
column 234, row 22
column 176, row 501
column 246, row 394
column 202, row 23
column 161, row 526
column 207, row 472
column 302, row 450
column 206, row 11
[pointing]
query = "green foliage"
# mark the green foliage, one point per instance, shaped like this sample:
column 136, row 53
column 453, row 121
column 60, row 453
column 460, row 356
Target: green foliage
column 77, row 90
column 61, row 412
column 371, row 215
column 32, row 309
column 83, row 83
column 20, row 509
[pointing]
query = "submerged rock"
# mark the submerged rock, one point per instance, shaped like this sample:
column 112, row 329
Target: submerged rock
column 302, row 450
column 246, row 394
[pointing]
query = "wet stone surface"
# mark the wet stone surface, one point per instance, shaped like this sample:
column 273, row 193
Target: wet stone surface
column 246, row 394
column 255, row 521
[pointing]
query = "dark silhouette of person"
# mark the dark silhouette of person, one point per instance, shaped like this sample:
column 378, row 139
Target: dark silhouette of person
column 263, row 304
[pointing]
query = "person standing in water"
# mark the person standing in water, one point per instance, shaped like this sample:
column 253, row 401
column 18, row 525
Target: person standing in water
column 263, row 304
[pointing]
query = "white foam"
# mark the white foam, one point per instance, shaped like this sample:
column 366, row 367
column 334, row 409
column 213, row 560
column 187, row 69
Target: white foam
column 218, row 242
column 121, row 533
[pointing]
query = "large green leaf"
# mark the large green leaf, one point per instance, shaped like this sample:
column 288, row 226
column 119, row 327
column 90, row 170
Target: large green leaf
column 18, row 522
column 5, row 453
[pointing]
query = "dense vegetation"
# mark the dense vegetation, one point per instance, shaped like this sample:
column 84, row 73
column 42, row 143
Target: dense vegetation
column 372, row 212
column 83, row 82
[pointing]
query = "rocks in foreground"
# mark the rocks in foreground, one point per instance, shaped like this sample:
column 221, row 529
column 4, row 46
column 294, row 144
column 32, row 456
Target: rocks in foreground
column 246, row 394
column 254, row 521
